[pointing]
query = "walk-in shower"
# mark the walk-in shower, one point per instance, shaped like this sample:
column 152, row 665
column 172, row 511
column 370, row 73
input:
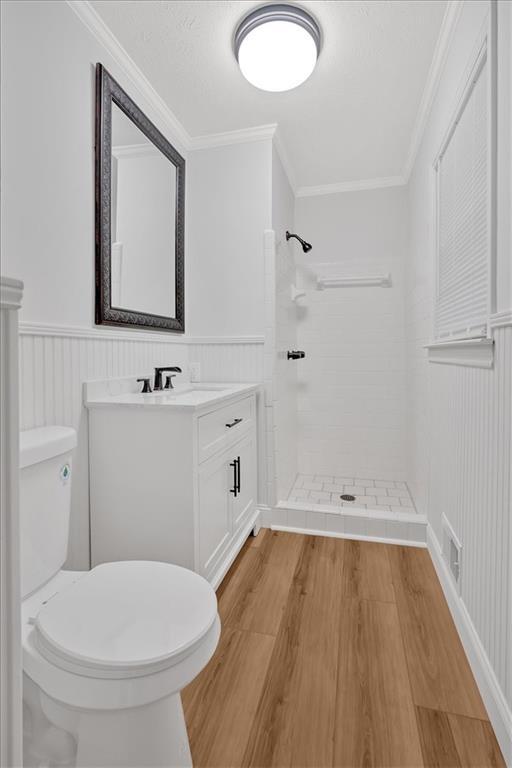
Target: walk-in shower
column 340, row 408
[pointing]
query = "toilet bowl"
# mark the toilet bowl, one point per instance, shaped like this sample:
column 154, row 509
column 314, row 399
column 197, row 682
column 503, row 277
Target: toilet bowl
column 105, row 652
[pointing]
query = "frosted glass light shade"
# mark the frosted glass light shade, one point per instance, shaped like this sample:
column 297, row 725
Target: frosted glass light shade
column 277, row 47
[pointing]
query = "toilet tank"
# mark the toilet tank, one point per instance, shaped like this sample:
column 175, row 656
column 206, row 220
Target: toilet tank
column 45, row 502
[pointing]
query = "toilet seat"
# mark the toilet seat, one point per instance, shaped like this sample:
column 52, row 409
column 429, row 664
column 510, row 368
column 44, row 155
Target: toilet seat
column 126, row 620
column 66, row 679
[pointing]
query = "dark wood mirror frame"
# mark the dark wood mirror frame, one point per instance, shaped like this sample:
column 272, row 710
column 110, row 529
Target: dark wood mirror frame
column 108, row 91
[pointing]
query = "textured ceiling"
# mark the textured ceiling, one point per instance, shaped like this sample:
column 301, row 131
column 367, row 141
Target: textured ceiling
column 352, row 120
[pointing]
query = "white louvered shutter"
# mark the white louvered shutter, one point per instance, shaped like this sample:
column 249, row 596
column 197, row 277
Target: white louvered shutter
column 463, row 220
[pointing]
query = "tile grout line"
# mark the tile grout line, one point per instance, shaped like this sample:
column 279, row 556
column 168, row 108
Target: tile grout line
column 323, row 493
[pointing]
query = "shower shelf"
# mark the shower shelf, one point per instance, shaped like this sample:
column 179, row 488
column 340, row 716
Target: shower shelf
column 359, row 281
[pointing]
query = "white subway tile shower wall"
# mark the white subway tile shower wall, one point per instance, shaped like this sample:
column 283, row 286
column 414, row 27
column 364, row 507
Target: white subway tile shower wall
column 352, row 382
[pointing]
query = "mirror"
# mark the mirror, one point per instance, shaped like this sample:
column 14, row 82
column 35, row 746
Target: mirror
column 139, row 216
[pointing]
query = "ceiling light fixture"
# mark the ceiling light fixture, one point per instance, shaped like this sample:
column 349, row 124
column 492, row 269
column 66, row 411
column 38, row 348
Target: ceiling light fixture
column 277, row 46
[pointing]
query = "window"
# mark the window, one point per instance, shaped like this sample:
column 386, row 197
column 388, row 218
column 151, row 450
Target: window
column 462, row 167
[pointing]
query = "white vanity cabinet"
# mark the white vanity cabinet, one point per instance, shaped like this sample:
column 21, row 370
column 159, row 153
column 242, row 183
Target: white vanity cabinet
column 173, row 476
column 221, row 512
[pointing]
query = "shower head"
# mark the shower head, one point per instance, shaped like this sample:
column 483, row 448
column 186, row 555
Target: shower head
column 305, row 246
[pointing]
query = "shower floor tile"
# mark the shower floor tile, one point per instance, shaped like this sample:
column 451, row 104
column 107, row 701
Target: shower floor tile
column 386, row 495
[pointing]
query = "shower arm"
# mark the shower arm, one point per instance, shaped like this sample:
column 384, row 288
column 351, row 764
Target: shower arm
column 305, row 246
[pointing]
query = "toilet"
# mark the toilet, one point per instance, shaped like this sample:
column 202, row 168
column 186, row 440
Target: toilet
column 106, row 652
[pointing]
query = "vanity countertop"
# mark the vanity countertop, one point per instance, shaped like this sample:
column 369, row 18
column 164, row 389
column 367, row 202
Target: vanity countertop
column 186, row 396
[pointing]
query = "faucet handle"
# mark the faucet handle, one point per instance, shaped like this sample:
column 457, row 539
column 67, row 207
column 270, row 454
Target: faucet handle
column 168, row 381
column 147, row 385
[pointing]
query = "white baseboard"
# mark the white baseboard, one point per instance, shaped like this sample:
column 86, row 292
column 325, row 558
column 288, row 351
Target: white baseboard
column 498, row 710
column 351, row 536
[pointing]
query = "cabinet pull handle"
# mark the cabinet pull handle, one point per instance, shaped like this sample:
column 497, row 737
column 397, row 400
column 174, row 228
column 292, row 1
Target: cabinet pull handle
column 234, row 489
column 238, row 480
column 234, row 423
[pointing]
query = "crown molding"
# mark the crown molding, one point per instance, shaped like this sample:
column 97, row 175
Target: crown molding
column 241, row 136
column 448, row 24
column 95, row 24
column 351, row 186
column 11, row 293
column 93, row 21
column 450, row 19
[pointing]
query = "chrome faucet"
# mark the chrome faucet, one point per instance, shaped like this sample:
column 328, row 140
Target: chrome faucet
column 158, row 375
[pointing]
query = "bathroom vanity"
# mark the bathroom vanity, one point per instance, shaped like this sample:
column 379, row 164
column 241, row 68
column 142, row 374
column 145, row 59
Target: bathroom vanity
column 173, row 474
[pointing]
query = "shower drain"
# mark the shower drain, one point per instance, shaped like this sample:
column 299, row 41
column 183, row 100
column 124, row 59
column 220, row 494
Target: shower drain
column 347, row 497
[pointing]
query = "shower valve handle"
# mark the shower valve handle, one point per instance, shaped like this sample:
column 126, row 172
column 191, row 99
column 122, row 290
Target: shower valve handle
column 296, row 354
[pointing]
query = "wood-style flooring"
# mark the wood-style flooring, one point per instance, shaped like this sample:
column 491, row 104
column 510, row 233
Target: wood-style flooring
column 336, row 653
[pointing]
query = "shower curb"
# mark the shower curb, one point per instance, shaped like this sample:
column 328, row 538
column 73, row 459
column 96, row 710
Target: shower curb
column 352, row 523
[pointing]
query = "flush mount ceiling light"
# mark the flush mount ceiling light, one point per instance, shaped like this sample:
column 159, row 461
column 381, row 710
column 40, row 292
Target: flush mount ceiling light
column 277, row 46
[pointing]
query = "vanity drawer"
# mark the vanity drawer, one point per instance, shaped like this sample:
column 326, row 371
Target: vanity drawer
column 219, row 429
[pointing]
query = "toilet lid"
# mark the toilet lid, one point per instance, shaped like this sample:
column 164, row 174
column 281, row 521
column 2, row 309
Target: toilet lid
column 126, row 619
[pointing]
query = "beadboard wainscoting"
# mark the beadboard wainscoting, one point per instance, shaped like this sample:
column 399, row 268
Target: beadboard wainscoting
column 54, row 363
column 470, row 417
column 459, row 418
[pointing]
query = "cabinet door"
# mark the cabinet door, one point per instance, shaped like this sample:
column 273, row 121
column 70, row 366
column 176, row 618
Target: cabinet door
column 244, row 453
column 214, row 532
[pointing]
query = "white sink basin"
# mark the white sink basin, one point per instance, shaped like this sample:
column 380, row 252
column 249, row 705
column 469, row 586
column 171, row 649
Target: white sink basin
column 185, row 391
column 124, row 392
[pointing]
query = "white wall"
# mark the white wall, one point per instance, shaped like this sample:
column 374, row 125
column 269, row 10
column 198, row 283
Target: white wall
column 229, row 207
column 352, row 381
column 459, row 418
column 48, row 107
column 285, row 330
